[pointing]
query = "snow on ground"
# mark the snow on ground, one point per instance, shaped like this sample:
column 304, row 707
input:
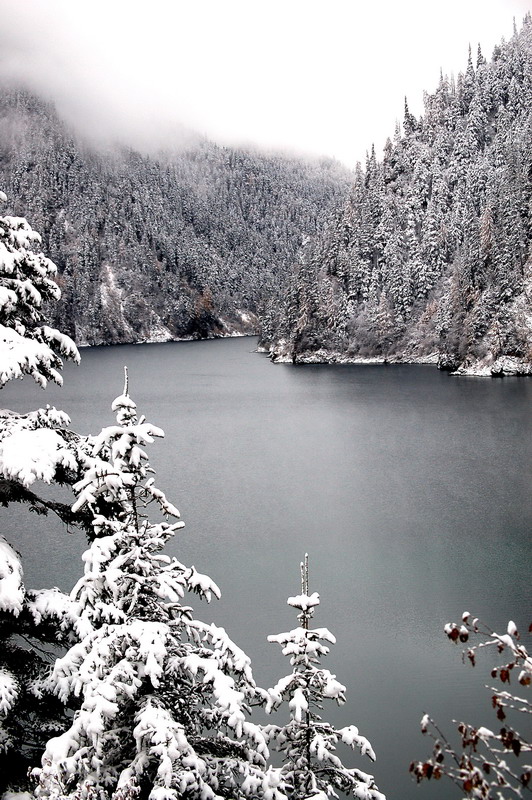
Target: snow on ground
column 504, row 365
column 159, row 333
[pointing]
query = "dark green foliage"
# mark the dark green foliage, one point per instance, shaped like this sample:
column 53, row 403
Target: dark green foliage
column 28, row 650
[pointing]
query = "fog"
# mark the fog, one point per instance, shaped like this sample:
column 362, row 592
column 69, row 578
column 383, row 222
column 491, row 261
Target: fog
column 303, row 76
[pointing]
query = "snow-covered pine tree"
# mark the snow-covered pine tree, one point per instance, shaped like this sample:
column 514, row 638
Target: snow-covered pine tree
column 163, row 697
column 33, row 446
column 312, row 768
column 27, row 347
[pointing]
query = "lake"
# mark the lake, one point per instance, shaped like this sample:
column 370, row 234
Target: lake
column 409, row 489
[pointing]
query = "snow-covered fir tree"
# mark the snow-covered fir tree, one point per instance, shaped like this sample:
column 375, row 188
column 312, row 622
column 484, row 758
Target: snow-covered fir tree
column 164, row 698
column 312, row 767
column 33, row 446
column 27, row 346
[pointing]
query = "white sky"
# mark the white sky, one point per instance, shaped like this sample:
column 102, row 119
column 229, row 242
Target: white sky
column 325, row 77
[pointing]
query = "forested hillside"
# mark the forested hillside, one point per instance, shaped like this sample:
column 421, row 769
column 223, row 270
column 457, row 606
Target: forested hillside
column 187, row 244
column 430, row 257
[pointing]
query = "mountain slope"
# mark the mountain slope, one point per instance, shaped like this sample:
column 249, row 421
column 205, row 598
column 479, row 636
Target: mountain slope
column 185, row 245
column 430, row 257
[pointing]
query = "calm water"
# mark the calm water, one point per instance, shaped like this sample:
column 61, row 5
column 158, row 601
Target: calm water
column 409, row 489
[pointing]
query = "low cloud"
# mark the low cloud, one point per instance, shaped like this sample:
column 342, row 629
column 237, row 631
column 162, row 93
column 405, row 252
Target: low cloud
column 323, row 79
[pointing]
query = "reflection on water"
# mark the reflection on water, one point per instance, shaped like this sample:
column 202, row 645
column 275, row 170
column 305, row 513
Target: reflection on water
column 410, row 490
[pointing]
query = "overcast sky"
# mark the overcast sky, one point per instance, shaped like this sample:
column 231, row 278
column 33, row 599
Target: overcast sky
column 322, row 77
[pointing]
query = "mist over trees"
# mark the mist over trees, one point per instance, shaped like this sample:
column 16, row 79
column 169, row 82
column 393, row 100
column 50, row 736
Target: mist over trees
column 192, row 244
column 430, row 254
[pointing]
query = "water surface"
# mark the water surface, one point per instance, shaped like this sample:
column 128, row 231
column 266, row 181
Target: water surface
column 410, row 490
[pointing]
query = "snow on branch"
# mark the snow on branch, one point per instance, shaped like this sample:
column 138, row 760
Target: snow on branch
column 312, row 767
column 11, row 585
column 9, row 691
column 26, row 280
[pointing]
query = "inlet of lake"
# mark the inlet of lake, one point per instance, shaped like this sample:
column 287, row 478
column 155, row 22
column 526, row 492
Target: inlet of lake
column 409, row 489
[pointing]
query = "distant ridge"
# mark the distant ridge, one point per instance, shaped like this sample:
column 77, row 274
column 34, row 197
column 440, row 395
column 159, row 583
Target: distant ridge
column 191, row 244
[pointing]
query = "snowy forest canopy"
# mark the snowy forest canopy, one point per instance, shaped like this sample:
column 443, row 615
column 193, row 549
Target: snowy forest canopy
column 430, row 256
column 186, row 245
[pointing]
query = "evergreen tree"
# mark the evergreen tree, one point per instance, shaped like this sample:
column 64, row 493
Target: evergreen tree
column 28, row 347
column 312, row 768
column 164, row 698
column 33, row 446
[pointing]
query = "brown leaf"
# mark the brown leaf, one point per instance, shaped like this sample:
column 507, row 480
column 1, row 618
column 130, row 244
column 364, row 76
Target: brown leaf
column 428, row 769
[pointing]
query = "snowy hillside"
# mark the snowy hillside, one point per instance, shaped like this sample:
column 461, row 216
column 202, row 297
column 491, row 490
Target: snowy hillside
column 189, row 244
column 430, row 258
